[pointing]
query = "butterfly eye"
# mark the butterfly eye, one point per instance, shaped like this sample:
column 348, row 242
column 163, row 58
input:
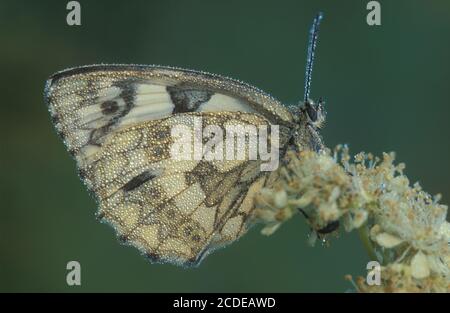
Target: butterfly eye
column 315, row 112
column 311, row 110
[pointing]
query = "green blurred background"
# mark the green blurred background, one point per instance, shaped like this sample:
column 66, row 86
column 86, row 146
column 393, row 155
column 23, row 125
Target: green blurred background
column 386, row 87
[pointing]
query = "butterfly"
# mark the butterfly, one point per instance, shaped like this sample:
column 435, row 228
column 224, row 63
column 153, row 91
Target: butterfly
column 116, row 121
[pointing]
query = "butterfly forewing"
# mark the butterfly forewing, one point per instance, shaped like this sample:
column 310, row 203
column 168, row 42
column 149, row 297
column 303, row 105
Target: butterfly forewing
column 117, row 122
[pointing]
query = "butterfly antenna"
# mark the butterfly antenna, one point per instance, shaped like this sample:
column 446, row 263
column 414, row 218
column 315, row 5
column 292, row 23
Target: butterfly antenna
column 313, row 35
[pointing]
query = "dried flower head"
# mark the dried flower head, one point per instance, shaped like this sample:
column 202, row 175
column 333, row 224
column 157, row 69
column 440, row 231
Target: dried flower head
column 402, row 226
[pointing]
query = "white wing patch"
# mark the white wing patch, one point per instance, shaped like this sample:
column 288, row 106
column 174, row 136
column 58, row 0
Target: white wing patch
column 220, row 103
column 151, row 102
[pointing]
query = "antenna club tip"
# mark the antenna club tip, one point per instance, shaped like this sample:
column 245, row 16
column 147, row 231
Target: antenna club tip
column 319, row 15
column 313, row 35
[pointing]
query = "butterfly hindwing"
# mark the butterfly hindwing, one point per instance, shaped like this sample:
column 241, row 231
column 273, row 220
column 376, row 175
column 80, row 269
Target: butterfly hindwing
column 173, row 211
column 117, row 122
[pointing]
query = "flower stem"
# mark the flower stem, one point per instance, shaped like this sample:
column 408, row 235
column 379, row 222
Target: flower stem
column 363, row 232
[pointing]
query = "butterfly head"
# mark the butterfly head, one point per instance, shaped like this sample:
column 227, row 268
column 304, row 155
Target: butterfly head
column 315, row 113
column 310, row 119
